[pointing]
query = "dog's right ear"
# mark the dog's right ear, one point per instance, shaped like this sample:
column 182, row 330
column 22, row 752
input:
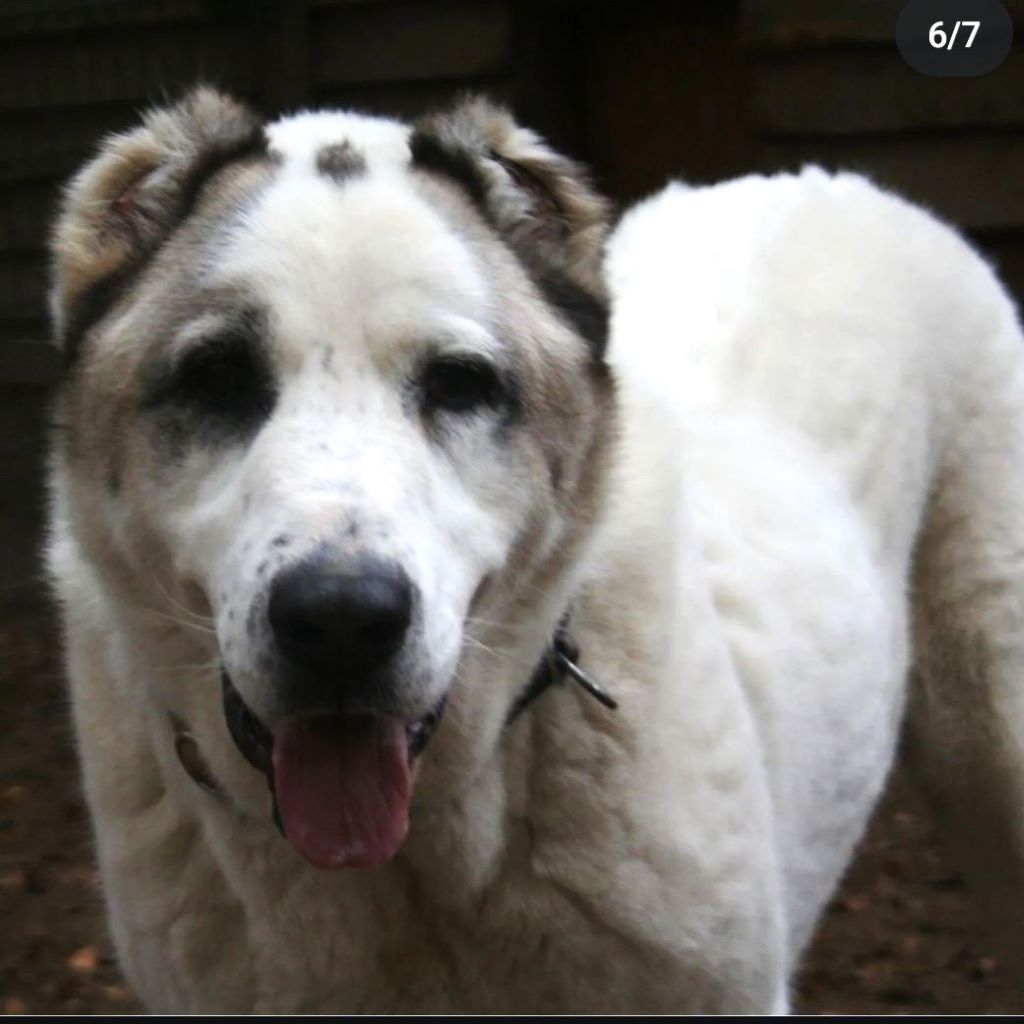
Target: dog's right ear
column 126, row 201
column 540, row 202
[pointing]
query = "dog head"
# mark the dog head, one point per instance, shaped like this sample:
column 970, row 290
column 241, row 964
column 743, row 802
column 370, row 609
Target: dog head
column 336, row 403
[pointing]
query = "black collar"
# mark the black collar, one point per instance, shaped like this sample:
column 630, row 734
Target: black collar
column 557, row 662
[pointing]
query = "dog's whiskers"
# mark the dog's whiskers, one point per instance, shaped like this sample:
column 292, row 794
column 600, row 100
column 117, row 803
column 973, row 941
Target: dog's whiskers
column 206, row 630
column 489, row 624
column 479, row 645
column 204, row 619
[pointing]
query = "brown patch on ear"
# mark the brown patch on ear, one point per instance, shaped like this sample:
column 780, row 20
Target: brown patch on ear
column 125, row 203
column 542, row 203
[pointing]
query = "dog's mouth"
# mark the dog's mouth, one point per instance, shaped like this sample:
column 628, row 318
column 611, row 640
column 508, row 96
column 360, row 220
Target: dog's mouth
column 341, row 783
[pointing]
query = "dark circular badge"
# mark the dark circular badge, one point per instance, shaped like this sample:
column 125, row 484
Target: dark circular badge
column 954, row 38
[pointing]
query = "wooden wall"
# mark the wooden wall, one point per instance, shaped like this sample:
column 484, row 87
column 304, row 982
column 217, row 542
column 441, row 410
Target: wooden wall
column 643, row 90
column 828, row 86
column 72, row 70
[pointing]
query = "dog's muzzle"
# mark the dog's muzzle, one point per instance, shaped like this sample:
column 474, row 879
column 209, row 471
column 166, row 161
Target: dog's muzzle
column 339, row 755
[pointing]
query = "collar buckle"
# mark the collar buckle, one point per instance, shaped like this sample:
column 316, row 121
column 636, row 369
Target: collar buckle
column 558, row 661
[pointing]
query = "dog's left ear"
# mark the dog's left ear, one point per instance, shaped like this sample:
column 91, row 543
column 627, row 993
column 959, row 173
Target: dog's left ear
column 126, row 201
column 541, row 203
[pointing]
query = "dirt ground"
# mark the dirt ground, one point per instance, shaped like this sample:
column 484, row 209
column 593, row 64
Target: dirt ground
column 897, row 938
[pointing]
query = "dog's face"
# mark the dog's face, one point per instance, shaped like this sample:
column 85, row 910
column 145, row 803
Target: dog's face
column 336, row 393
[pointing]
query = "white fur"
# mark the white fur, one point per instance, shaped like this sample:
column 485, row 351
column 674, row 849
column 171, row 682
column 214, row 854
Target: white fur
column 381, row 140
column 794, row 356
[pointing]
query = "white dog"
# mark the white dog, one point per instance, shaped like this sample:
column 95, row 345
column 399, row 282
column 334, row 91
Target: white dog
column 351, row 486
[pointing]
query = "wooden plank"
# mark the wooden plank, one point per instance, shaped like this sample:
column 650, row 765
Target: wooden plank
column 24, row 429
column 858, row 90
column 116, row 65
column 800, row 23
column 667, row 96
column 974, row 179
column 410, row 41
column 287, row 76
column 407, row 100
column 28, row 362
column 26, row 212
column 349, row 3
column 51, row 143
column 1005, row 250
column 38, row 17
column 550, row 75
column 23, row 284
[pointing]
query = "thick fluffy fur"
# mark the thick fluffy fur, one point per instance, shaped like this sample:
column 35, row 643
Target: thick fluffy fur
column 806, row 438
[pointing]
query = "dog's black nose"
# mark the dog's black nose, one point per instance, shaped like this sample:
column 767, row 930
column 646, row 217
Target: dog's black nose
column 344, row 618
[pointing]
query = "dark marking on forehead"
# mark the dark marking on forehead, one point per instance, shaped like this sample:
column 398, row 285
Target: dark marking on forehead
column 340, row 161
column 101, row 296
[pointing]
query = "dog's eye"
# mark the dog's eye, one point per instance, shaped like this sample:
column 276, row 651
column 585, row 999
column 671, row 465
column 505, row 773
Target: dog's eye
column 224, row 378
column 460, row 385
column 209, row 375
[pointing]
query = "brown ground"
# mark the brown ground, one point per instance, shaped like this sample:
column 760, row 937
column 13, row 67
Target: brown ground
column 896, row 940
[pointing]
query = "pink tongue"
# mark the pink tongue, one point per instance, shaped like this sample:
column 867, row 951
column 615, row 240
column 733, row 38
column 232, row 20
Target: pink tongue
column 342, row 785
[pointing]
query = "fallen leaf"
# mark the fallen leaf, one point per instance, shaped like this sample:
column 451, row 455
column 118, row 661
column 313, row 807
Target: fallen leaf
column 79, row 874
column 13, row 878
column 11, row 796
column 871, row 973
column 985, row 968
column 84, row 960
column 855, row 903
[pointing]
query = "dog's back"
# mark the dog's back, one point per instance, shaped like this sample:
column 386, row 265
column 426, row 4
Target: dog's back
column 816, row 319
